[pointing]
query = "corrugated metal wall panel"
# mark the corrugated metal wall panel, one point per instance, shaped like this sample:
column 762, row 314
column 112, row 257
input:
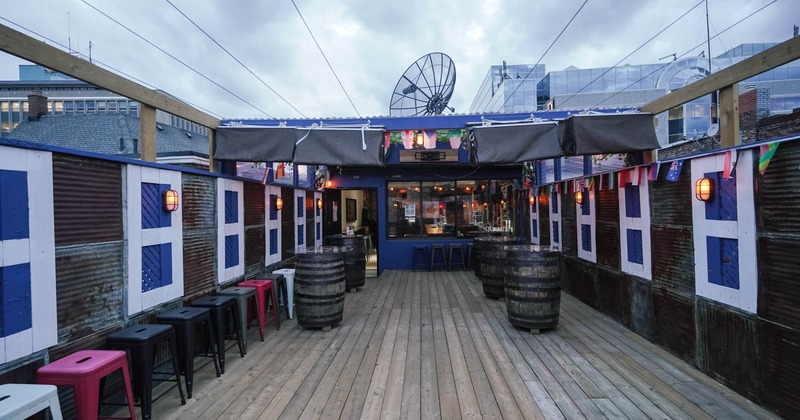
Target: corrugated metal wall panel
column 674, row 323
column 253, row 204
column 776, row 194
column 199, row 262
column 569, row 227
column 779, row 368
column 199, row 202
column 255, row 251
column 640, row 293
column 87, row 200
column 544, row 224
column 778, row 287
column 727, row 346
column 579, row 278
column 97, row 268
column 608, row 205
column 673, row 259
column 670, row 201
column 608, row 245
column 612, row 293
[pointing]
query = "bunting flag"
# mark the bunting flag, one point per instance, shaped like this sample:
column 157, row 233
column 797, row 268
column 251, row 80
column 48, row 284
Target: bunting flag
column 264, row 179
column 280, row 171
column 591, row 183
column 730, row 164
column 612, row 181
column 623, row 178
column 637, row 175
column 767, row 151
column 675, row 170
column 603, row 184
column 652, row 173
column 558, row 188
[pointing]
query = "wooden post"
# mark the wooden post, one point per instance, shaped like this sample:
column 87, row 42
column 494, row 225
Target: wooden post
column 212, row 144
column 729, row 116
column 147, row 132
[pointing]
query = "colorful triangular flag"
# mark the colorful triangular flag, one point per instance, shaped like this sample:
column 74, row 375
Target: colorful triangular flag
column 652, row 173
column 280, row 171
column 675, row 170
column 767, row 152
column 591, row 183
column 636, row 175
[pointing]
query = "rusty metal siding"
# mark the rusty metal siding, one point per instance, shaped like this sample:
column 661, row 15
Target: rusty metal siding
column 607, row 205
column 670, row 201
column 579, row 278
column 255, row 251
column 199, row 235
column 776, row 196
column 569, row 227
column 641, row 316
column 778, row 287
column 674, row 323
column 612, row 293
column 673, row 262
column 87, row 200
column 779, row 368
column 90, row 291
column 608, row 245
column 727, row 346
column 544, row 224
column 253, row 204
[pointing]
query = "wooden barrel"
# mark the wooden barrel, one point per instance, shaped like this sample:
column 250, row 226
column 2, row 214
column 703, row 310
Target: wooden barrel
column 532, row 286
column 478, row 243
column 355, row 259
column 319, row 287
column 492, row 263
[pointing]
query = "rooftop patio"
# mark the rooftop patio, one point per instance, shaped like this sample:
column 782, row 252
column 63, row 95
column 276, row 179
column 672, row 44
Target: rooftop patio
column 430, row 345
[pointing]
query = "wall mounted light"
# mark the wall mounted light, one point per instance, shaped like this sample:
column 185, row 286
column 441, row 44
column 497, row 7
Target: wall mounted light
column 579, row 197
column 170, row 200
column 319, row 203
column 329, row 184
column 419, row 140
column 278, row 203
column 532, row 199
column 704, row 189
column 543, row 199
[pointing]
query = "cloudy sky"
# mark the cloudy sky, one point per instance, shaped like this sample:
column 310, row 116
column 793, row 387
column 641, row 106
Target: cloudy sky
column 370, row 43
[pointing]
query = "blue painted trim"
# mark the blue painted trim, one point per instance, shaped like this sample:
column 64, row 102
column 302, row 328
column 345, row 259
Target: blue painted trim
column 586, row 237
column 635, row 251
column 273, row 212
column 231, row 251
column 14, row 214
column 16, row 310
column 231, row 207
column 633, row 201
column 156, row 266
column 301, row 234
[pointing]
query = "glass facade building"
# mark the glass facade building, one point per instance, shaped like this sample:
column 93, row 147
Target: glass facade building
column 508, row 89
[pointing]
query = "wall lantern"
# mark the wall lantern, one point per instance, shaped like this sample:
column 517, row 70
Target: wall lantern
column 278, row 203
column 319, row 203
column 579, row 197
column 704, row 189
column 532, row 199
column 419, row 140
column 329, row 184
column 170, row 200
column 543, row 199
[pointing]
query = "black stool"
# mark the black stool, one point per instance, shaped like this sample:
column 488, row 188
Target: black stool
column 420, row 257
column 456, row 249
column 243, row 295
column 184, row 321
column 141, row 341
column 467, row 266
column 280, row 290
column 219, row 306
column 434, row 248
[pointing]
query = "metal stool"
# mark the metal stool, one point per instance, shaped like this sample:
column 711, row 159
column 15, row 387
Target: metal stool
column 243, row 295
column 20, row 401
column 281, row 290
column 467, row 266
column 434, row 248
column 265, row 295
column 218, row 307
column 185, row 321
column 420, row 257
column 288, row 274
column 84, row 371
column 141, row 342
column 456, row 249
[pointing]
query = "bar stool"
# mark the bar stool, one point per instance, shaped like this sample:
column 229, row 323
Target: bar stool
column 281, row 290
column 20, row 401
column 468, row 265
column 288, row 274
column 455, row 249
column 264, row 296
column 420, row 258
column 434, row 248
column 141, row 341
column 84, row 371
column 243, row 296
column 185, row 321
column 219, row 306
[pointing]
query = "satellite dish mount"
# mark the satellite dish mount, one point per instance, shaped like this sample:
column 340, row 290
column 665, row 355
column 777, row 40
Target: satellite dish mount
column 425, row 88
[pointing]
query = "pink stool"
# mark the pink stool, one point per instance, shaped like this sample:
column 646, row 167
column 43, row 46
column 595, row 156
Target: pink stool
column 264, row 293
column 83, row 371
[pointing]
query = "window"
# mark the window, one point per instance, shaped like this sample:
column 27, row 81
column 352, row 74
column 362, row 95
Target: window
column 449, row 208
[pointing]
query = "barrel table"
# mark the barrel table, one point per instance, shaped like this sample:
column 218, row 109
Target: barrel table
column 475, row 255
column 492, row 262
column 355, row 260
column 319, row 286
column 532, row 286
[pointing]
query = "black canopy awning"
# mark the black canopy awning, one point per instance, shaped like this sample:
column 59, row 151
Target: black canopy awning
column 339, row 146
column 515, row 143
column 255, row 144
column 608, row 133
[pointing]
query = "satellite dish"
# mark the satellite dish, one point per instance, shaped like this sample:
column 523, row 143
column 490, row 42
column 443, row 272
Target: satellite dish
column 713, row 129
column 425, row 88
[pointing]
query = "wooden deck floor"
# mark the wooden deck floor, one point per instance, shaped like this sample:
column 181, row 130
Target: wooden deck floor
column 428, row 345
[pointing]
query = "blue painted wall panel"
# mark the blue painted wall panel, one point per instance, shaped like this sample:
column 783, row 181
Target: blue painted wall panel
column 723, row 204
column 156, row 266
column 273, row 241
column 723, row 261
column 273, row 212
column 633, row 201
column 635, row 246
column 319, row 230
column 231, row 207
column 301, row 234
column 15, row 299
column 554, row 201
column 535, row 228
column 555, row 233
column 586, row 237
column 301, row 205
column 153, row 214
column 231, row 251
column 14, row 216
column 586, row 206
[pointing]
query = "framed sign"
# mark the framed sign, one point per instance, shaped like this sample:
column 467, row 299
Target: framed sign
column 350, row 210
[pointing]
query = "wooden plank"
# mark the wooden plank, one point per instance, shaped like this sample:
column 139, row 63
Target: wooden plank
column 380, row 375
column 729, row 116
column 447, row 392
column 25, row 47
column 147, row 132
column 778, row 55
column 412, row 386
column 428, row 387
column 397, row 370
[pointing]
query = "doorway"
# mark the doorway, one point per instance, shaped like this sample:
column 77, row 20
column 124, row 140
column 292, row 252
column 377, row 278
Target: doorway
column 355, row 209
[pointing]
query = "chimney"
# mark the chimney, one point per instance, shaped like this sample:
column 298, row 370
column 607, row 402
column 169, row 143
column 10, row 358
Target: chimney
column 37, row 105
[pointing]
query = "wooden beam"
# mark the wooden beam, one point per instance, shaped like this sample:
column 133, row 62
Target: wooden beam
column 27, row 48
column 776, row 56
column 147, row 132
column 729, row 116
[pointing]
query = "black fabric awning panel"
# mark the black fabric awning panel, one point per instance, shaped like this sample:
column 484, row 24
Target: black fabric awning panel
column 339, row 147
column 255, row 144
column 608, row 133
column 516, row 143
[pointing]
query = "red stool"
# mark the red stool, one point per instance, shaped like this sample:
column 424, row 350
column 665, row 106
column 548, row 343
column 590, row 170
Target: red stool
column 84, row 371
column 264, row 294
